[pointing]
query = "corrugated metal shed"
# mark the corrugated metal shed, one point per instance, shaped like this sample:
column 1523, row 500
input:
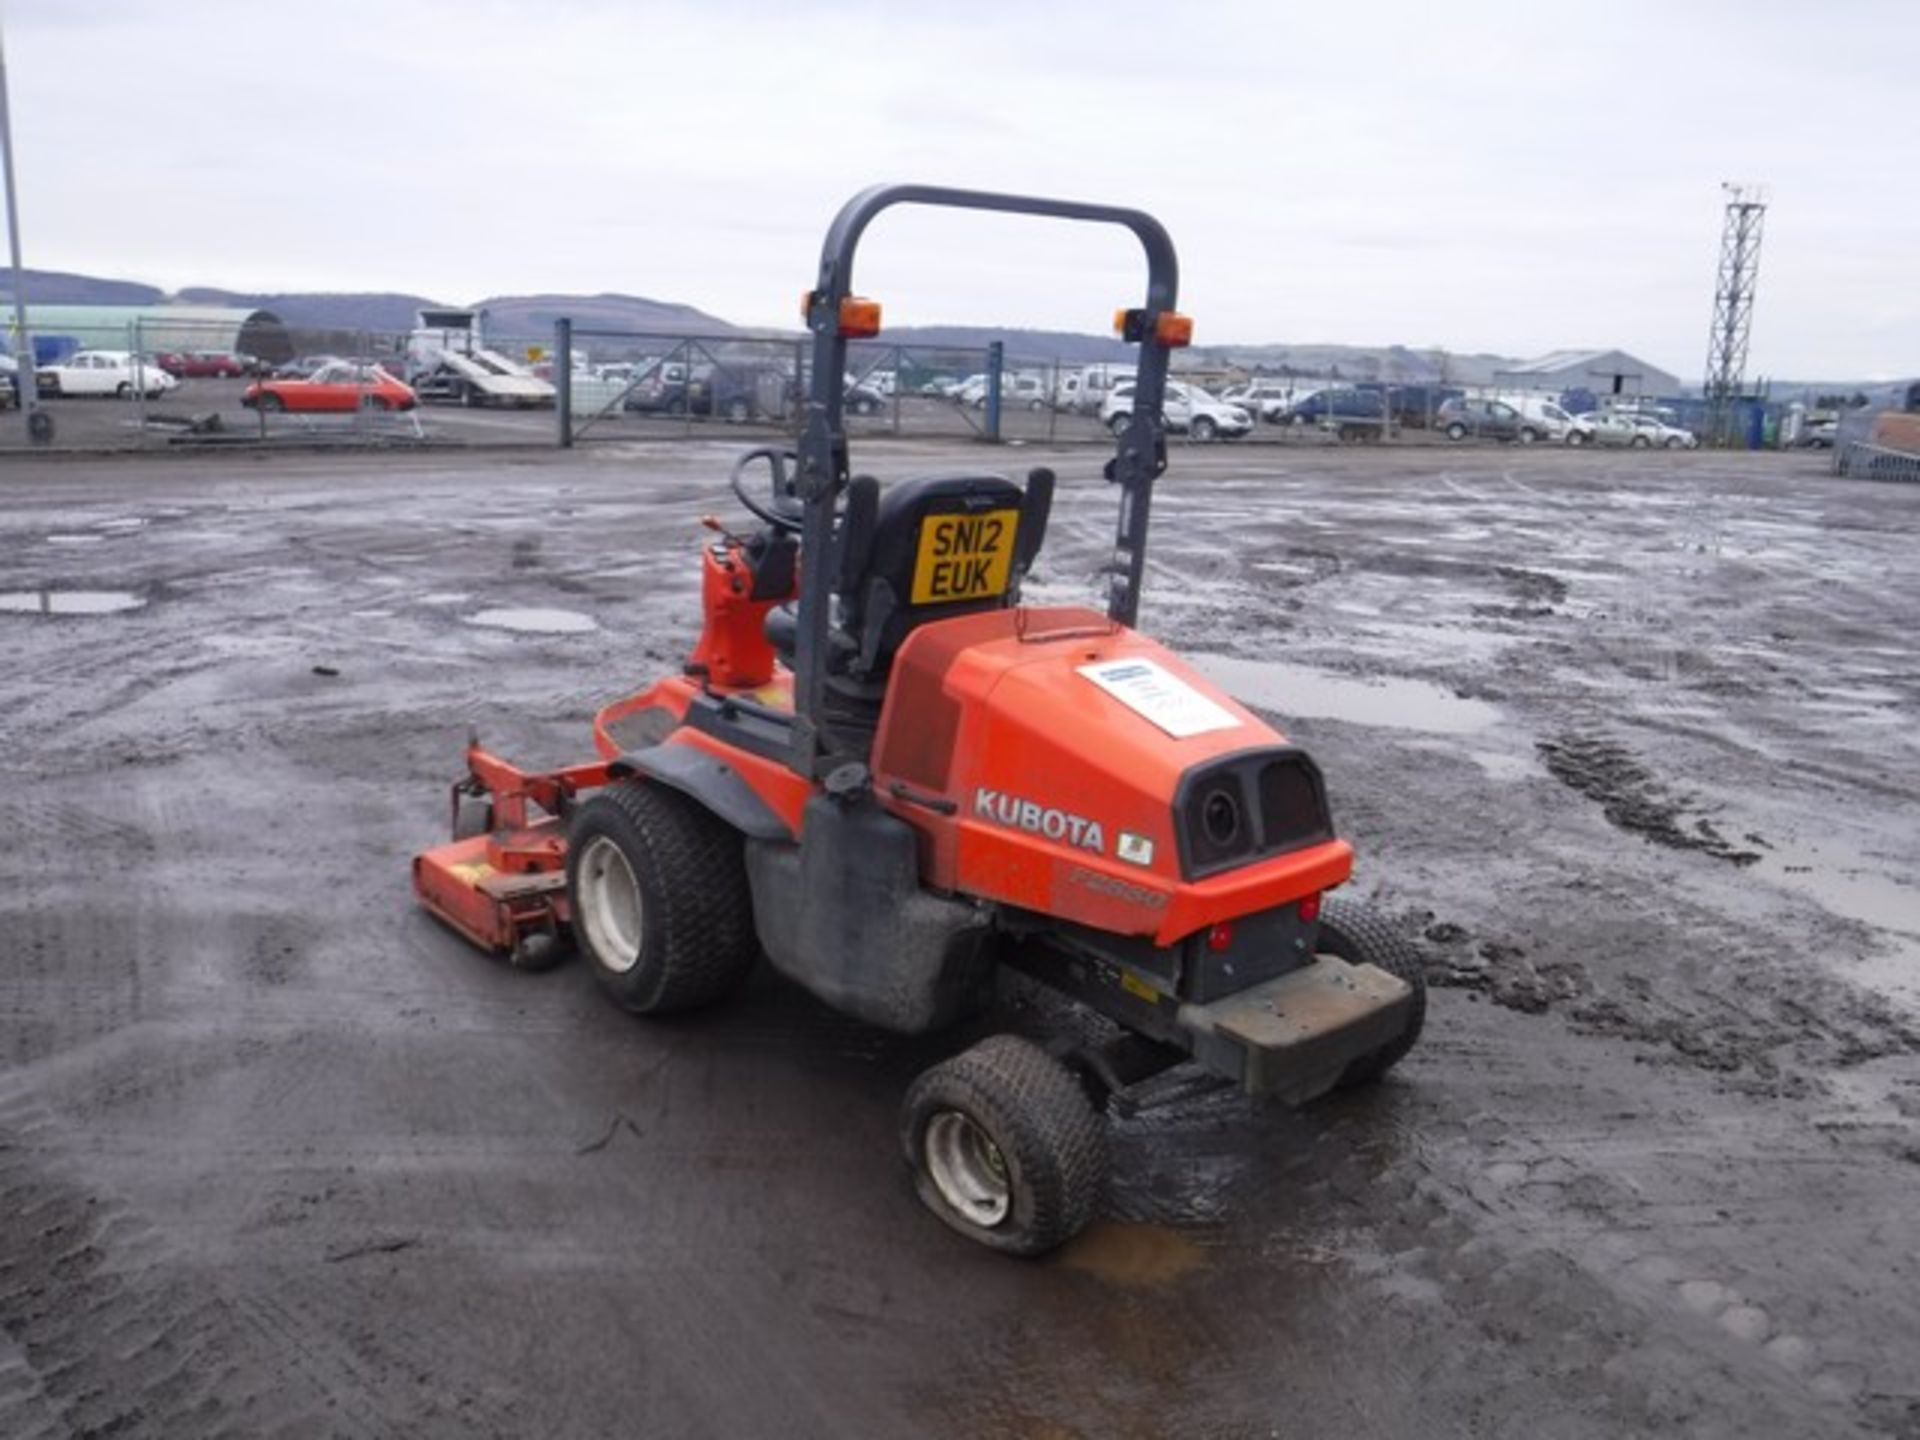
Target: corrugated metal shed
column 1604, row 372
column 158, row 327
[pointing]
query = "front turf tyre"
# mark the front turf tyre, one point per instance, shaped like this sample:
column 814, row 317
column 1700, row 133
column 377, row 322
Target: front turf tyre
column 1355, row 933
column 1005, row 1146
column 658, row 889
column 1204, row 430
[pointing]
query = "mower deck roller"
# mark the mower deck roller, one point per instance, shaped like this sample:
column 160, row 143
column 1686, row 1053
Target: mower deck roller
column 884, row 775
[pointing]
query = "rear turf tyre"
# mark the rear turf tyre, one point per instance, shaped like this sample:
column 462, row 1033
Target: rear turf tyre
column 1005, row 1146
column 658, row 889
column 1641, row 442
column 1355, row 933
column 1456, row 431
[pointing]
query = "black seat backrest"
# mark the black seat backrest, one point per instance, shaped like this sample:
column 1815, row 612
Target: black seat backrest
column 939, row 546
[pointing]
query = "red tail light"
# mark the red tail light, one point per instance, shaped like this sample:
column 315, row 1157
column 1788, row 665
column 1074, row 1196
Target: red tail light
column 1220, row 937
column 1310, row 908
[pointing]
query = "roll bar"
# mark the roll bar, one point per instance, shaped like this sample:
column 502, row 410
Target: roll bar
column 823, row 470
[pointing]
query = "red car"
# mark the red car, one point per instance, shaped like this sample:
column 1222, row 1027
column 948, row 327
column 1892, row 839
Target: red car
column 214, row 364
column 341, row 386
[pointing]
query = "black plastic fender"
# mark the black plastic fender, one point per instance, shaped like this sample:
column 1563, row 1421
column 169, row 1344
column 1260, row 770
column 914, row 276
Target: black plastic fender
column 709, row 780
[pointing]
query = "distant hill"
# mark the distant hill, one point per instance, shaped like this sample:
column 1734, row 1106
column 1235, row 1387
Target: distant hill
column 1362, row 362
column 331, row 320
column 532, row 316
column 1350, row 362
column 61, row 287
column 1021, row 344
column 375, row 311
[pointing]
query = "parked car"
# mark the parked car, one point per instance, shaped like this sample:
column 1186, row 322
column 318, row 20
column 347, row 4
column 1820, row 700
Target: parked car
column 303, row 366
column 1411, row 406
column 1613, row 428
column 1187, row 409
column 343, row 386
column 1547, row 418
column 1667, row 437
column 9, row 381
column 103, row 372
column 1817, row 432
column 212, row 364
column 1494, row 419
column 739, row 392
column 1352, row 413
column 1019, row 389
column 660, row 390
column 1269, row 399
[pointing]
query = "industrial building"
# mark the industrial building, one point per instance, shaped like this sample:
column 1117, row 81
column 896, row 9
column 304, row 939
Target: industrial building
column 1602, row 373
column 59, row 330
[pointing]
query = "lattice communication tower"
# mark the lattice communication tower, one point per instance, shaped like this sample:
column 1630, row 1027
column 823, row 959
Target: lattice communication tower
column 1733, row 305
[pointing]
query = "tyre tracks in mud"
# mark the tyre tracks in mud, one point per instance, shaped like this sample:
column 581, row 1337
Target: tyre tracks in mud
column 273, row 1163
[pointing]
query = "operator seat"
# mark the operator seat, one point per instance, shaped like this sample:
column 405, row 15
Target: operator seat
column 875, row 604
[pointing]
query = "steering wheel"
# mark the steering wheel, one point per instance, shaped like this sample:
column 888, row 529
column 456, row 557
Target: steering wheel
column 786, row 512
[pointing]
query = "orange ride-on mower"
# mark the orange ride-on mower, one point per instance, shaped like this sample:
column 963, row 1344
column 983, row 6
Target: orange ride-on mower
column 885, row 774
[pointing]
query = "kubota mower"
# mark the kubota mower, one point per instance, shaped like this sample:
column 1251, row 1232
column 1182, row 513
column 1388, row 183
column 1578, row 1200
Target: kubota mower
column 884, row 773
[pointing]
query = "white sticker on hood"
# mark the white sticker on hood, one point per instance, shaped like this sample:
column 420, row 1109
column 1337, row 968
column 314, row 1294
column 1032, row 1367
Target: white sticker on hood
column 1167, row 700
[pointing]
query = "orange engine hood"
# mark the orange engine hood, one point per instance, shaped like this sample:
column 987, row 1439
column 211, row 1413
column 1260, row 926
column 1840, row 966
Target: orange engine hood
column 1039, row 752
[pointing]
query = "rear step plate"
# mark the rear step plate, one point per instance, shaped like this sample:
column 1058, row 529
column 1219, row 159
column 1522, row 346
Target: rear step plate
column 1293, row 1036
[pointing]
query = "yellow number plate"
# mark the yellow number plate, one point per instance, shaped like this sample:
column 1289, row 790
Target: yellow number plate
column 964, row 557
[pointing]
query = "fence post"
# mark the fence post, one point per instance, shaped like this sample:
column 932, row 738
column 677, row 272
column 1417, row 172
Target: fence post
column 563, row 379
column 136, row 339
column 996, row 362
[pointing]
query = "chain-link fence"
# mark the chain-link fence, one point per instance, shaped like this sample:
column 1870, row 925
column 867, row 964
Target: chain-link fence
column 157, row 382
column 174, row 382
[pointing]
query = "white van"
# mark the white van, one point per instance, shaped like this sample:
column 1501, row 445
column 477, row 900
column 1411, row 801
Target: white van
column 1090, row 387
column 1555, row 422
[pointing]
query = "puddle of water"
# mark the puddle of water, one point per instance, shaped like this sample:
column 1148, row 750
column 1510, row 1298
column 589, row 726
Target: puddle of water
column 69, row 602
column 1134, row 1256
column 446, row 597
column 1301, row 690
column 1505, row 767
column 1855, row 889
column 121, row 524
column 371, row 614
column 1845, row 884
column 535, row 622
column 75, row 539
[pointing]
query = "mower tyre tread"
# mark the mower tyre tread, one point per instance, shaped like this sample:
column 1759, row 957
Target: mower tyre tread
column 1359, row 935
column 698, row 940
column 1038, row 1114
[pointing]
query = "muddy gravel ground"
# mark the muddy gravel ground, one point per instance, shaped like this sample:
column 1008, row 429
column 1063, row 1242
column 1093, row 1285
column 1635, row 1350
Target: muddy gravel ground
column 1626, row 744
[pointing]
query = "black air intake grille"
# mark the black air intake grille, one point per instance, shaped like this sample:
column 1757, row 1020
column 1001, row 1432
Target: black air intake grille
column 1249, row 806
column 1293, row 805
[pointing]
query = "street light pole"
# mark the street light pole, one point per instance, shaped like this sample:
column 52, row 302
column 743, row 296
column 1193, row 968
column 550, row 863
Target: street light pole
column 39, row 422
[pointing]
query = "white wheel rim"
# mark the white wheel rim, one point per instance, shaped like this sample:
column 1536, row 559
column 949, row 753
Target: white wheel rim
column 967, row 1168
column 610, row 907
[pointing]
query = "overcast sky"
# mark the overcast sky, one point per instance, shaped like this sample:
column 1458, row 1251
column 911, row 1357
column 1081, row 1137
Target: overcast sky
column 1511, row 178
